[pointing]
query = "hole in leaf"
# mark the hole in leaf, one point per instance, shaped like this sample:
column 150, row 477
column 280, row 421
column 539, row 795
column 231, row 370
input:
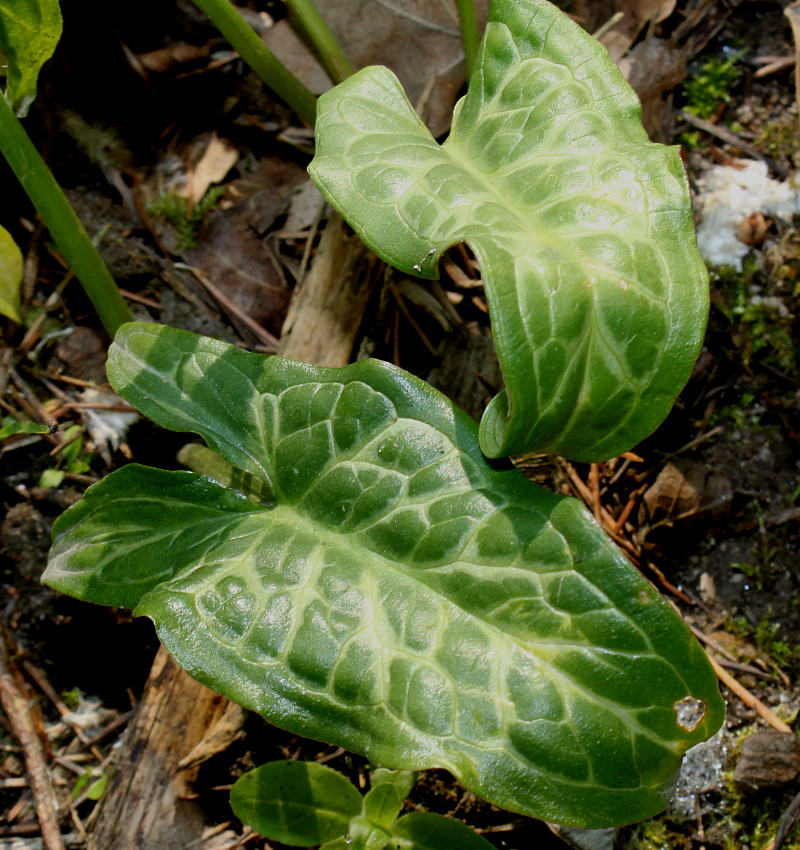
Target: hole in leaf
column 689, row 712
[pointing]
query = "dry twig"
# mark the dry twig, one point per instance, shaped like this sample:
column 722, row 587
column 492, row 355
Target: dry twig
column 18, row 712
column 749, row 699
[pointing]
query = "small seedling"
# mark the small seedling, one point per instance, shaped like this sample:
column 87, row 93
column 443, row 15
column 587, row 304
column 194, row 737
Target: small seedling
column 304, row 804
column 70, row 460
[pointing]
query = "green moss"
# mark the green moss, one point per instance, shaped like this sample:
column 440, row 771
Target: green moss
column 710, row 87
column 767, row 636
column 751, row 820
column 184, row 218
column 657, row 834
column 761, row 328
column 779, row 139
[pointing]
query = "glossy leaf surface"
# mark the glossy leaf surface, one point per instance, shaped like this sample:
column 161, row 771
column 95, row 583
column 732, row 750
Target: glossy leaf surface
column 397, row 595
column 299, row 803
column 29, row 33
column 582, row 226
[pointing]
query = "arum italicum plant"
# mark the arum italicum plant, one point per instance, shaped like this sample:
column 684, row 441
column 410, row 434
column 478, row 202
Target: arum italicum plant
column 368, row 577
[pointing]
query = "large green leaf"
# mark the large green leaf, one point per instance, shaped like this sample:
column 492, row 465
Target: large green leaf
column 397, row 594
column 583, row 228
column 29, row 33
column 296, row 802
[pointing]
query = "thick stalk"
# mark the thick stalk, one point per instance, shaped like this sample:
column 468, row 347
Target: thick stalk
column 469, row 33
column 61, row 220
column 260, row 58
column 325, row 43
column 205, row 461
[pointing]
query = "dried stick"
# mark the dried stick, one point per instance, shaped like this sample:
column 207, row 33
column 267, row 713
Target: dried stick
column 749, row 699
column 18, row 712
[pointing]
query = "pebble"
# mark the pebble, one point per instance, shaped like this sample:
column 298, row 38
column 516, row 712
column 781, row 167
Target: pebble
column 768, row 759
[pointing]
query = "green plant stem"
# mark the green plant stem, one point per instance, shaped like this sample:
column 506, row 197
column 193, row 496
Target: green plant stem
column 469, row 33
column 227, row 19
column 325, row 43
column 62, row 222
column 205, row 461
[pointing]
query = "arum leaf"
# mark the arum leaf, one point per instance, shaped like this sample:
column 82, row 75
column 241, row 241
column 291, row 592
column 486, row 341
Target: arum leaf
column 295, row 802
column 582, row 227
column 10, row 275
column 29, row 33
column 401, row 597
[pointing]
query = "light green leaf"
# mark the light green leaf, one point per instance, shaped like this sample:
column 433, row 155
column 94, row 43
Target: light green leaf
column 402, row 597
column 201, row 459
column 382, row 805
column 96, row 790
column 427, row 831
column 11, row 267
column 402, row 780
column 299, row 803
column 583, row 228
column 51, row 478
column 29, row 33
column 365, row 835
column 15, row 427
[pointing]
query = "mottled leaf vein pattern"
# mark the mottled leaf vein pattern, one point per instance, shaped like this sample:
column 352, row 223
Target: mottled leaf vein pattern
column 398, row 595
column 582, row 226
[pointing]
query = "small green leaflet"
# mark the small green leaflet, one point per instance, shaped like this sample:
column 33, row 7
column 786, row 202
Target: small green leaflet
column 301, row 803
column 14, row 427
column 390, row 591
column 582, row 226
column 10, row 275
column 29, row 33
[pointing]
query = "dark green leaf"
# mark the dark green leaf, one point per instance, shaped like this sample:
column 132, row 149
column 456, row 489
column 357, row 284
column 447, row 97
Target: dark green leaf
column 299, row 803
column 139, row 527
column 402, row 598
